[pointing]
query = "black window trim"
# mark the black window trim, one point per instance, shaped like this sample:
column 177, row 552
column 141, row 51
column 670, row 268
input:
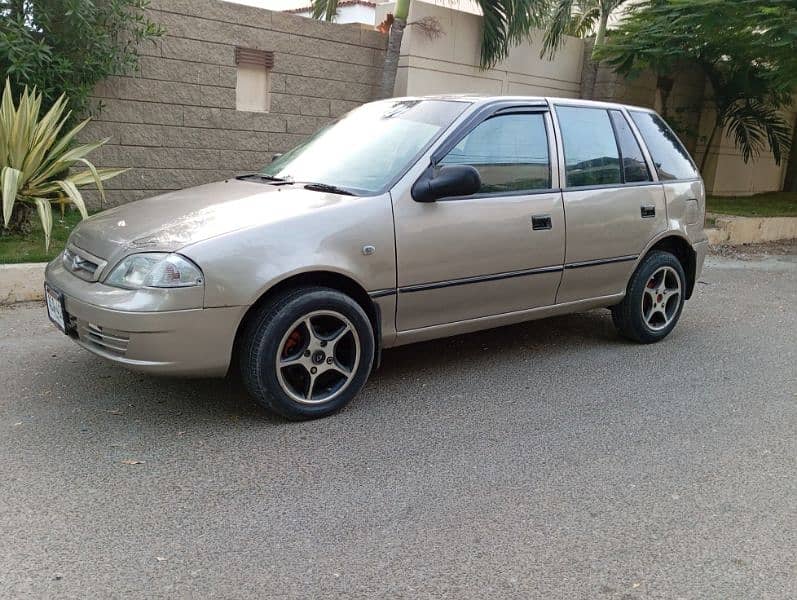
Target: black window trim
column 487, row 112
column 619, row 148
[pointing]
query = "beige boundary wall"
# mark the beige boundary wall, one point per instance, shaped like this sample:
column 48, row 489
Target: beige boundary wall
column 175, row 123
column 450, row 63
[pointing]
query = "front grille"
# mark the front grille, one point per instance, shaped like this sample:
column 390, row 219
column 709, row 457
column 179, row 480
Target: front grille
column 109, row 340
column 82, row 264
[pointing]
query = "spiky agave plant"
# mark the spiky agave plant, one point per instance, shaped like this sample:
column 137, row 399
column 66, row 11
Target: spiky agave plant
column 36, row 163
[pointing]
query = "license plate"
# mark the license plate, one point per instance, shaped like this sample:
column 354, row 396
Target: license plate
column 55, row 307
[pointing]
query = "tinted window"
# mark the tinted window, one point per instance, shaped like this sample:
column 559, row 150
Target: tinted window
column 634, row 167
column 669, row 156
column 509, row 151
column 591, row 156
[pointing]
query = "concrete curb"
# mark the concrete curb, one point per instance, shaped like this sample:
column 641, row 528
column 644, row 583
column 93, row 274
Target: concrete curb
column 751, row 230
column 21, row 282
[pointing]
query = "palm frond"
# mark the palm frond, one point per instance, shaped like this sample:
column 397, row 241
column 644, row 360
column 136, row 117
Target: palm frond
column 757, row 127
column 324, row 9
column 558, row 26
column 583, row 23
column 507, row 23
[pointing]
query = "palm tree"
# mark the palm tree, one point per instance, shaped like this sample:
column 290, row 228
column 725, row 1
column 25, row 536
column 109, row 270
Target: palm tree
column 745, row 50
column 578, row 18
column 748, row 107
column 506, row 23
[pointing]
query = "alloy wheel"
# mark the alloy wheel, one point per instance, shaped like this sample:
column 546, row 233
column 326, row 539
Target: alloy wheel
column 661, row 298
column 318, row 357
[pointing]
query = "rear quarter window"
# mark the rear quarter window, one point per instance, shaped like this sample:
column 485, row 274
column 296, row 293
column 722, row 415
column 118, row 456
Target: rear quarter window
column 671, row 159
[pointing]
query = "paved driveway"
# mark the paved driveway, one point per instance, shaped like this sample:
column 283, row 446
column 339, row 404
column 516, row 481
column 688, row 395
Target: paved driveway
column 548, row 460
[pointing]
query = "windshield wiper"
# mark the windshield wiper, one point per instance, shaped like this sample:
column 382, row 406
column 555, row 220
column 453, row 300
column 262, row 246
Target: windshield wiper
column 332, row 189
column 264, row 177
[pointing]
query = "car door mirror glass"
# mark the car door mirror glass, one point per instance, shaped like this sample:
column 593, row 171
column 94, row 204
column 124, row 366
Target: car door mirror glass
column 450, row 180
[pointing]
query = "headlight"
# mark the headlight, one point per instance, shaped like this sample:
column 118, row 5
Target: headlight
column 155, row 269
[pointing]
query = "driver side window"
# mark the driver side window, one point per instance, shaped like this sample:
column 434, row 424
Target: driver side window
column 510, row 152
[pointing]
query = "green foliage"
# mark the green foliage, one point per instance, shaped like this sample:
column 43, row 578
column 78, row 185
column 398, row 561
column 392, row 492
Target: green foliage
column 68, row 46
column 578, row 18
column 745, row 48
column 36, row 158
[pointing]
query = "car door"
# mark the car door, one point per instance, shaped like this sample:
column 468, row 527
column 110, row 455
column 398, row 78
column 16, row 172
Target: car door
column 614, row 205
column 497, row 251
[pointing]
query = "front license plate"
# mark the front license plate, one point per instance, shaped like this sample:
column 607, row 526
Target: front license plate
column 55, row 307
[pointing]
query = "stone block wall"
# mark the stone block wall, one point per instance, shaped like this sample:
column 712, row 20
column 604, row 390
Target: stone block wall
column 175, row 123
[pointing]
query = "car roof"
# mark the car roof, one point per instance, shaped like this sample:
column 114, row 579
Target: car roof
column 480, row 99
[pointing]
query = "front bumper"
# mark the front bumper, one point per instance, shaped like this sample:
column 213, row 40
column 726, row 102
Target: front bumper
column 152, row 331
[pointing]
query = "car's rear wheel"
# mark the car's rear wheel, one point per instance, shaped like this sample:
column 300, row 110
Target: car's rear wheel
column 654, row 299
column 307, row 353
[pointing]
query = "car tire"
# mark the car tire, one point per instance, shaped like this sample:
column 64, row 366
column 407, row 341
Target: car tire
column 654, row 299
column 307, row 353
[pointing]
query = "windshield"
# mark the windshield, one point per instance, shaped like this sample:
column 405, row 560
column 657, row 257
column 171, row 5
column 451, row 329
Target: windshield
column 369, row 147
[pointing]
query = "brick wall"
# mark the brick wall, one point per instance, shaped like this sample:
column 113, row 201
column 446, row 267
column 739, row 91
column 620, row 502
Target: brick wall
column 175, row 123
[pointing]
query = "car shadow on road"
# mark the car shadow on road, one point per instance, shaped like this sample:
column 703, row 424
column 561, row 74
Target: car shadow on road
column 156, row 399
column 588, row 329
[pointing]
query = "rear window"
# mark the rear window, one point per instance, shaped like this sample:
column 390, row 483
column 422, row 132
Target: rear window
column 671, row 159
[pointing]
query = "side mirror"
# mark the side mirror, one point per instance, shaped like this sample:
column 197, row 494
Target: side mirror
column 275, row 157
column 451, row 180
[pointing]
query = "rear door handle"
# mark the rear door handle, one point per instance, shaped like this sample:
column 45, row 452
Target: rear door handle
column 647, row 212
column 539, row 222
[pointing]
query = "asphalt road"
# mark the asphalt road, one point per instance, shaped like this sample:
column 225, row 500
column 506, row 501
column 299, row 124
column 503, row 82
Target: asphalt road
column 547, row 460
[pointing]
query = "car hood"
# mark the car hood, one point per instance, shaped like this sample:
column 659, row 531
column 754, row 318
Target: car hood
column 177, row 219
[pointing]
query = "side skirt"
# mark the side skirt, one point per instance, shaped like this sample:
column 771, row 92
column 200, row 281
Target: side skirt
column 459, row 327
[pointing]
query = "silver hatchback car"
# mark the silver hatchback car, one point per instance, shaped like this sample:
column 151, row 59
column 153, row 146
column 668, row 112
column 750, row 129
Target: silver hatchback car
column 406, row 220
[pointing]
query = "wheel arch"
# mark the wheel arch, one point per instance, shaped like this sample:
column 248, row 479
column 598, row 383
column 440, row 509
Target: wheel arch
column 322, row 278
column 679, row 247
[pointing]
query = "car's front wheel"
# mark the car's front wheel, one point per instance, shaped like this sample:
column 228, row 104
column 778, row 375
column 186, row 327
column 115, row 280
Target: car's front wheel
column 654, row 299
column 307, row 353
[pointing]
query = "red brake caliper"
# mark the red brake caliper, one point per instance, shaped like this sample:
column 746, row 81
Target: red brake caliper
column 291, row 343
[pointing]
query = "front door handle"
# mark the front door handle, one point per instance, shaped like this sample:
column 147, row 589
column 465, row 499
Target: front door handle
column 539, row 222
column 648, row 212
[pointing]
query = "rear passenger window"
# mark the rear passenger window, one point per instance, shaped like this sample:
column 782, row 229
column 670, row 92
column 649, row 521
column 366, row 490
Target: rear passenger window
column 671, row 159
column 634, row 167
column 509, row 151
column 591, row 156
